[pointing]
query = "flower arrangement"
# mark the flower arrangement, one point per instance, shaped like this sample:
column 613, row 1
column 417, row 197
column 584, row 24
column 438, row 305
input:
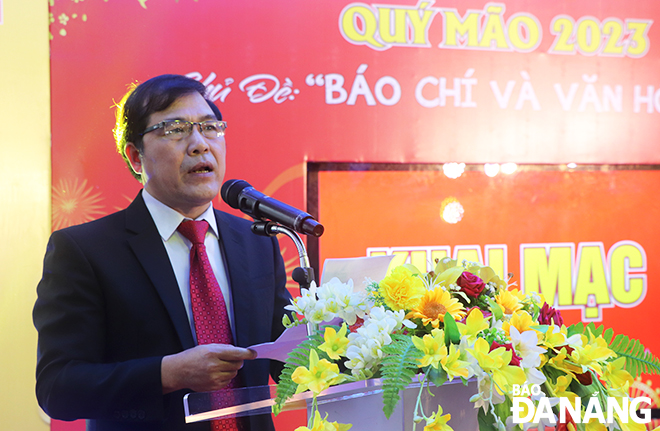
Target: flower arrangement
column 460, row 321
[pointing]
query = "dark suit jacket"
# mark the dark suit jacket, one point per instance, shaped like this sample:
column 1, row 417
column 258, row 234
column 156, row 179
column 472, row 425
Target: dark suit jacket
column 109, row 308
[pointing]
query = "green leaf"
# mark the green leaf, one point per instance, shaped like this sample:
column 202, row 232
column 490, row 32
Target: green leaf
column 412, row 268
column 437, row 376
column 452, row 334
column 541, row 328
column 577, row 328
column 503, row 410
column 495, row 308
column 584, row 391
column 486, row 421
column 399, row 367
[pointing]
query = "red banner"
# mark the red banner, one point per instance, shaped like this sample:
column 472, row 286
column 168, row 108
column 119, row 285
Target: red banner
column 565, row 84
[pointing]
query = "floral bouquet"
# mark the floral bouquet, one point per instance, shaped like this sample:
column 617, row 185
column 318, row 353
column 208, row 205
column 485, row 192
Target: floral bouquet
column 461, row 321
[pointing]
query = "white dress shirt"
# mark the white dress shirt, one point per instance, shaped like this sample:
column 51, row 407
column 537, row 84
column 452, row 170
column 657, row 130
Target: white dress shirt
column 178, row 247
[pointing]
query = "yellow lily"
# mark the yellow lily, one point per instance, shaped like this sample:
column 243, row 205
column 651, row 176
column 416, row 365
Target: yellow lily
column 487, row 274
column 448, row 276
column 591, row 354
column 563, row 362
column 618, row 379
column 432, row 346
column 595, row 425
column 445, row 264
column 320, row 375
column 521, row 320
column 454, row 366
column 474, row 324
column 335, row 343
column 321, row 424
column 555, row 337
column 496, row 363
column 438, row 421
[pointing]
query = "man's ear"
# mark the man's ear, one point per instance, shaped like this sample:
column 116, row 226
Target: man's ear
column 134, row 157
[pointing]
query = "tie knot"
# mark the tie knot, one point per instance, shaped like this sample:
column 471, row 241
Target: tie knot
column 195, row 231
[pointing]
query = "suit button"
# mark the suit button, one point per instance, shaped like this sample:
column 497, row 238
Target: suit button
column 141, row 414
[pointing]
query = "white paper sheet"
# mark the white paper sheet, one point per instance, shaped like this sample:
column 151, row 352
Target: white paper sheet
column 356, row 268
column 280, row 348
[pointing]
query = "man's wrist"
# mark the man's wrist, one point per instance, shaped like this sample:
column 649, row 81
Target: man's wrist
column 168, row 374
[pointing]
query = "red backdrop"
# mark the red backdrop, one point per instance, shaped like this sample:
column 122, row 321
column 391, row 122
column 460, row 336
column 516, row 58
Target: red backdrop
column 526, row 81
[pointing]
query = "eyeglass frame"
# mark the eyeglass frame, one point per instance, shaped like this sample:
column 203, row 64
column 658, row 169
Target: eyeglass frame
column 162, row 124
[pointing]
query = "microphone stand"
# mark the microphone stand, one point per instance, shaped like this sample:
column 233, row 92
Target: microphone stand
column 304, row 274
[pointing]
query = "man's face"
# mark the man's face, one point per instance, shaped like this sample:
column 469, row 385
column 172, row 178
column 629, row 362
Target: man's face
column 185, row 174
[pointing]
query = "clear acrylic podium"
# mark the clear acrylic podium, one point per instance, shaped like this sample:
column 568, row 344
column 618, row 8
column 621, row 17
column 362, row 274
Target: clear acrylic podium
column 358, row 403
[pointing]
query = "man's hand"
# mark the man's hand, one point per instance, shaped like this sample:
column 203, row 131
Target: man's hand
column 203, row 368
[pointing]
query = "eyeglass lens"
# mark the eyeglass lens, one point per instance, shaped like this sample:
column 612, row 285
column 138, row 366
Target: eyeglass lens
column 181, row 129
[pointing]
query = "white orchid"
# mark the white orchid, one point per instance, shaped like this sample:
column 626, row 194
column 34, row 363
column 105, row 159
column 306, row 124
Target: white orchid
column 526, row 346
column 329, row 301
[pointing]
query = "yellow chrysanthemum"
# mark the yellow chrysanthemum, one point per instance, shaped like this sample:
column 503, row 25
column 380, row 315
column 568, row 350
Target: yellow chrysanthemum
column 510, row 300
column 438, row 421
column 335, row 342
column 401, row 290
column 434, row 305
column 318, row 377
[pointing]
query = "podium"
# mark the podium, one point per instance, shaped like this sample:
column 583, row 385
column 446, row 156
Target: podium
column 357, row 403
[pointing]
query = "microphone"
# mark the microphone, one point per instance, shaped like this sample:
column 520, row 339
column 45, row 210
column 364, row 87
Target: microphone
column 242, row 196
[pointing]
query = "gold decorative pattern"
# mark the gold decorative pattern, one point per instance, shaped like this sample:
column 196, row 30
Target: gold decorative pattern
column 645, row 389
column 74, row 203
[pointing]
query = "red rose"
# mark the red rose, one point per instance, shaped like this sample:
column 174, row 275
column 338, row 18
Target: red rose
column 470, row 284
column 548, row 314
column 358, row 324
column 515, row 359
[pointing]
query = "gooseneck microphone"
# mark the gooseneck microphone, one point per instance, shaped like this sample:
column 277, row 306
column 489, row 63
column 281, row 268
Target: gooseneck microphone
column 242, row 196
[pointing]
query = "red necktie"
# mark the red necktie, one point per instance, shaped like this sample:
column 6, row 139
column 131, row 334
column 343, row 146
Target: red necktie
column 208, row 304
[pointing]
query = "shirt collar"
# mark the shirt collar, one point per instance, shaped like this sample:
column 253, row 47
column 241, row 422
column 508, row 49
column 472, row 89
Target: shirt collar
column 167, row 220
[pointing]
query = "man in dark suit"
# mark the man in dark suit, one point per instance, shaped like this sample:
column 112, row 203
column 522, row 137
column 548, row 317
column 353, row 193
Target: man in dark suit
column 117, row 337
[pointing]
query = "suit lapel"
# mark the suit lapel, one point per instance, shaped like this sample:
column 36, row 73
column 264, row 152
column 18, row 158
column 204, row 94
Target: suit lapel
column 150, row 252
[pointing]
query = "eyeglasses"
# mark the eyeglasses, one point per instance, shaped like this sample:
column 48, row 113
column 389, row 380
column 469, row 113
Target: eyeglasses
column 175, row 129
